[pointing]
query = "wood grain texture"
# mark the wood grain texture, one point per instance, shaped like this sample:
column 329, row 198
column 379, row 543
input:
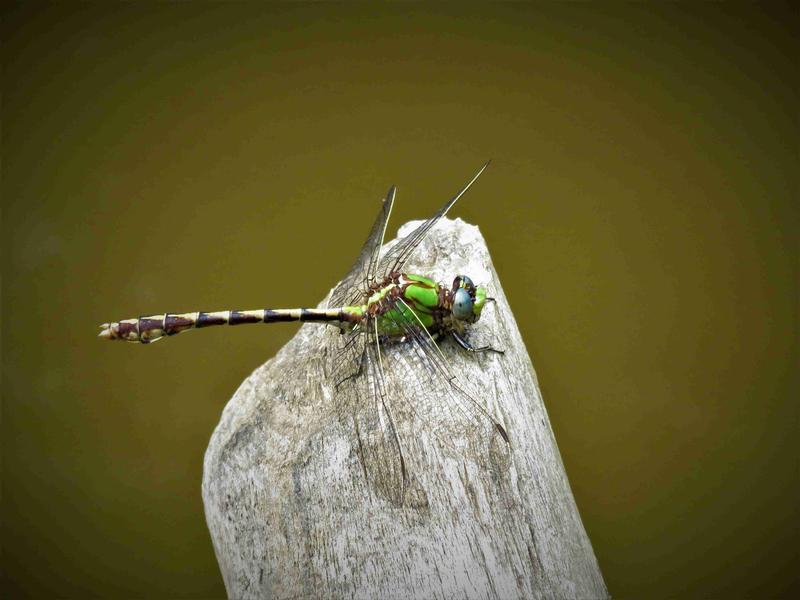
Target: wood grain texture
column 292, row 515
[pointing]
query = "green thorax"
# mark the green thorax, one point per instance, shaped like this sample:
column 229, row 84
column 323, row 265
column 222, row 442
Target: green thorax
column 404, row 299
column 420, row 304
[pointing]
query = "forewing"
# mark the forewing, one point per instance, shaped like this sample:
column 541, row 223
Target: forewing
column 437, row 401
column 363, row 271
column 397, row 256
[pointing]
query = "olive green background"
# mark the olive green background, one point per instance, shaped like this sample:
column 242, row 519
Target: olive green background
column 641, row 209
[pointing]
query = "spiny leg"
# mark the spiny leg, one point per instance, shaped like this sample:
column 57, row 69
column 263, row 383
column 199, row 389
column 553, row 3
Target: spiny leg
column 470, row 348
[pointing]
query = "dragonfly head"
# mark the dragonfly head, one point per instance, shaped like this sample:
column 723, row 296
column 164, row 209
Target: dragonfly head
column 468, row 299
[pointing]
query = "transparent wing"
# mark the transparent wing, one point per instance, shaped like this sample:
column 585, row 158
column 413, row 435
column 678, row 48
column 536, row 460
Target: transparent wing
column 382, row 394
column 363, row 271
column 397, row 256
column 433, row 396
column 387, row 390
column 364, row 403
column 361, row 393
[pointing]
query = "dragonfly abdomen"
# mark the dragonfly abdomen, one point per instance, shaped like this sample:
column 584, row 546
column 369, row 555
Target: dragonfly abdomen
column 154, row 327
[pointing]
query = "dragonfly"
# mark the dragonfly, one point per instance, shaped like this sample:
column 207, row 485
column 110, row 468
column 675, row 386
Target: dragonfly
column 381, row 318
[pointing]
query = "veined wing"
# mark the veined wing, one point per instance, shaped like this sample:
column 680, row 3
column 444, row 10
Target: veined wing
column 373, row 402
column 369, row 265
column 362, row 273
column 361, row 391
column 397, row 256
column 442, row 404
column 365, row 406
column 387, row 391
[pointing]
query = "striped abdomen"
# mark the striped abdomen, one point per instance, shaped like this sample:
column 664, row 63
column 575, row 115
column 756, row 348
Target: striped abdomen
column 153, row 327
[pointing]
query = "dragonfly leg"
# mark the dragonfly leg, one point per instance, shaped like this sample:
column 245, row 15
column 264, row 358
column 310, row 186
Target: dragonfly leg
column 470, row 348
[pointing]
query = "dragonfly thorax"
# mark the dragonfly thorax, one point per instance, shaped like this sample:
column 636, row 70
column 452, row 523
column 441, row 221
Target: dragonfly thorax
column 403, row 300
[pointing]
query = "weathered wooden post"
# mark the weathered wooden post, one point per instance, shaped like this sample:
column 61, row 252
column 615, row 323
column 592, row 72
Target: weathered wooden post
column 291, row 514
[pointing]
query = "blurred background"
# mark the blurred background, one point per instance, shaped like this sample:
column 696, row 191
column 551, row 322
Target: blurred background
column 641, row 209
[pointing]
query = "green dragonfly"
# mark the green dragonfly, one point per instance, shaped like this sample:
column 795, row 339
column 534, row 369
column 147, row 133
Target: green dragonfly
column 388, row 319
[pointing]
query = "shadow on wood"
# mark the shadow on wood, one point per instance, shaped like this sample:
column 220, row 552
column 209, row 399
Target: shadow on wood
column 293, row 513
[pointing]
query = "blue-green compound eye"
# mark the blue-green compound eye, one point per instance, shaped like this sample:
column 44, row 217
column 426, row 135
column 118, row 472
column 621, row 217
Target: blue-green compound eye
column 462, row 305
column 466, row 282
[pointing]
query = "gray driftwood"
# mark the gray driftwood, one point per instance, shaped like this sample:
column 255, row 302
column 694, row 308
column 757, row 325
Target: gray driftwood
column 291, row 514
